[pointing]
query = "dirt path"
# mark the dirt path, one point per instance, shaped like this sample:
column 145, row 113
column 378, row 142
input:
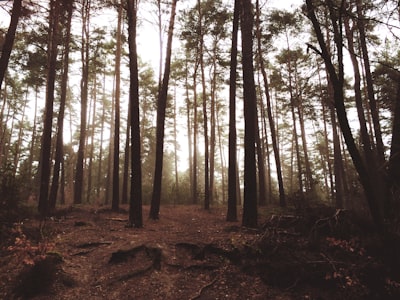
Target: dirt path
column 189, row 253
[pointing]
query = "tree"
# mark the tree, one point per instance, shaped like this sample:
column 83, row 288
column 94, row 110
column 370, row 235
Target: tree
column 135, row 203
column 9, row 38
column 85, row 38
column 250, row 104
column 7, row 47
column 336, row 74
column 45, row 155
column 115, row 197
column 161, row 107
column 232, row 174
column 282, row 200
column 58, row 160
column 204, row 102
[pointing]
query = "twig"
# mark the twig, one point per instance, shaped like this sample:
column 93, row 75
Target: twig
column 92, row 244
column 203, row 288
column 117, row 219
column 82, row 252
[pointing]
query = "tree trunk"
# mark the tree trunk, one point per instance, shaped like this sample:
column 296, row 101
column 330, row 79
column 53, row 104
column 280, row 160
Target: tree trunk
column 6, row 52
column 161, row 107
column 262, row 200
column 205, row 116
column 222, row 157
column 232, row 164
column 125, row 181
column 92, row 126
column 282, row 200
column 394, row 160
column 45, row 155
column 189, row 132
column 370, row 88
column 79, row 179
column 135, row 204
column 33, row 136
column 115, row 197
column 100, row 183
column 195, row 134
column 9, row 39
column 177, row 193
column 249, row 93
column 337, row 78
column 58, row 160
column 213, row 124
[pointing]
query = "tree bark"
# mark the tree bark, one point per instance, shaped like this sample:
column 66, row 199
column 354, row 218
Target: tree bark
column 205, row 115
column 9, row 39
column 115, row 197
column 161, row 107
column 135, row 204
column 250, row 178
column 232, row 164
column 85, row 35
column 45, row 154
column 58, row 160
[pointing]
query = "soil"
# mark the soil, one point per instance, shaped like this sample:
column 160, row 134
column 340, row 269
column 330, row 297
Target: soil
column 190, row 253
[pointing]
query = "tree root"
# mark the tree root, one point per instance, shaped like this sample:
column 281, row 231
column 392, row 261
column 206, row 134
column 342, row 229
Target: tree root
column 120, row 256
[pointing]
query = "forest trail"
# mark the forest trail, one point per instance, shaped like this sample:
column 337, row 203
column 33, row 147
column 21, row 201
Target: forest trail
column 189, row 253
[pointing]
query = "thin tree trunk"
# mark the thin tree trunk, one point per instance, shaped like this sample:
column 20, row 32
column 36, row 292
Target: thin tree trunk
column 222, row 156
column 6, row 53
column 161, row 107
column 213, row 125
column 232, row 164
column 79, row 179
column 33, row 139
column 108, row 190
column 92, row 114
column 299, row 106
column 274, row 138
column 195, row 134
column 100, row 183
column 61, row 113
column 17, row 150
column 205, row 116
column 115, row 197
column 189, row 132
column 262, row 200
column 370, row 87
column 9, row 39
column 45, row 155
column 125, row 181
column 177, row 193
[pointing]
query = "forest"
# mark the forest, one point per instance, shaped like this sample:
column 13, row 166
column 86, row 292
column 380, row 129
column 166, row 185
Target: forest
column 191, row 140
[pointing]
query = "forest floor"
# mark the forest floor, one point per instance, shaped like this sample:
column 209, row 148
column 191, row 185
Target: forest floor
column 190, row 253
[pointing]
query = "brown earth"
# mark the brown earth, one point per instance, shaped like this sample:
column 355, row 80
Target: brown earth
column 190, row 253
